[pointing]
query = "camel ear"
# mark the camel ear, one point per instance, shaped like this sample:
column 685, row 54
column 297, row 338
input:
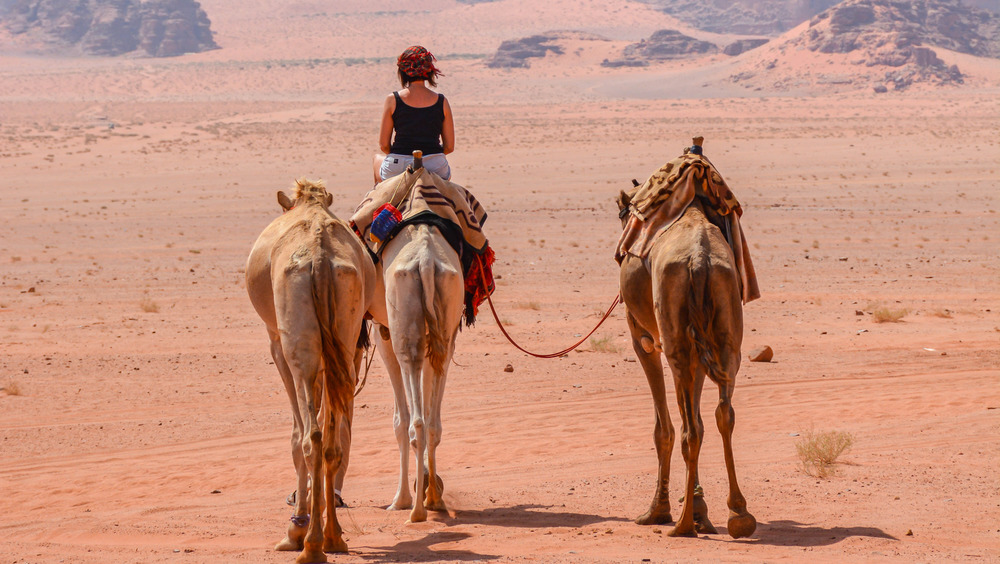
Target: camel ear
column 623, row 200
column 284, row 201
column 329, row 200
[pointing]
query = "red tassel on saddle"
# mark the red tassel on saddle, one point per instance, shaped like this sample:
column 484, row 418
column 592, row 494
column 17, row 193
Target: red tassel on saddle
column 479, row 279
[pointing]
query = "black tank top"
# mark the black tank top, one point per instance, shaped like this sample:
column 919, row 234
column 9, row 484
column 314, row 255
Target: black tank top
column 417, row 129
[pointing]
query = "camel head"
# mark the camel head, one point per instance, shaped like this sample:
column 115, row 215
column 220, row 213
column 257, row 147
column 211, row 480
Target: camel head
column 623, row 200
column 306, row 192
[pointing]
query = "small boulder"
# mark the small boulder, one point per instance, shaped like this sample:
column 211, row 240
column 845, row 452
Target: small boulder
column 508, row 368
column 762, row 354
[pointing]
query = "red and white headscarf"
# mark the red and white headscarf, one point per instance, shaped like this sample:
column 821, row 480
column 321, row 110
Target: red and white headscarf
column 418, row 63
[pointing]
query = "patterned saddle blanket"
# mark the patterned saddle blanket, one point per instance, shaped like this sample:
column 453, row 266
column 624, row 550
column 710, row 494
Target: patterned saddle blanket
column 667, row 193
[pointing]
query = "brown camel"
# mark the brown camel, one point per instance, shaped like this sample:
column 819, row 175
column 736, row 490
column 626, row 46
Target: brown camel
column 311, row 281
column 684, row 300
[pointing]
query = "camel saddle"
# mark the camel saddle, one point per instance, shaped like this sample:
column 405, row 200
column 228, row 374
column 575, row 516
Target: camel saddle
column 665, row 196
column 420, row 196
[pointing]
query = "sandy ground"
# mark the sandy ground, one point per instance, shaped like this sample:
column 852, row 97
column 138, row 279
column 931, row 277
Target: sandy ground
column 142, row 420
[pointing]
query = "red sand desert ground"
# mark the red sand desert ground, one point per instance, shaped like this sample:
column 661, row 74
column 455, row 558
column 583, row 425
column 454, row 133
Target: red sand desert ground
column 142, row 420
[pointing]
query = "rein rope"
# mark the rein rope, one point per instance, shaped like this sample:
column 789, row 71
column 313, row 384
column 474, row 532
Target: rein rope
column 557, row 354
column 369, row 357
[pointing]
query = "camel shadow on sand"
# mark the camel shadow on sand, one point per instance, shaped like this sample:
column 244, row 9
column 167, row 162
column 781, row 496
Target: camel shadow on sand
column 791, row 533
column 522, row 516
column 419, row 550
column 528, row 517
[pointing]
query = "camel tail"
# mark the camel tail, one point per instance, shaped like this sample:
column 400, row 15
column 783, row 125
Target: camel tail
column 700, row 309
column 437, row 339
column 339, row 384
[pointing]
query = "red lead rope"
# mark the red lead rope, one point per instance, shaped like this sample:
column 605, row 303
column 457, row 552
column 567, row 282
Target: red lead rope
column 493, row 309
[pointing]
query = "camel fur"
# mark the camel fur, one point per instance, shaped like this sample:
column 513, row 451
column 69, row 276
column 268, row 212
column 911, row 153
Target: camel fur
column 684, row 300
column 311, row 281
column 423, row 290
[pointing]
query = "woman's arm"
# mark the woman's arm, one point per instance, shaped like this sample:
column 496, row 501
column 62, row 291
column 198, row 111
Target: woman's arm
column 385, row 131
column 448, row 129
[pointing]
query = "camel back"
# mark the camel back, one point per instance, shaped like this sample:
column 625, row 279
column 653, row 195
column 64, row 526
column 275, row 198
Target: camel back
column 660, row 201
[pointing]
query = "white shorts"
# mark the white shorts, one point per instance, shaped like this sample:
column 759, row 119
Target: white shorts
column 394, row 164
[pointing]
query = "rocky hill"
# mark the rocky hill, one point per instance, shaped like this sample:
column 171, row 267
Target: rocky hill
column 881, row 44
column 157, row 28
column 744, row 17
column 887, row 29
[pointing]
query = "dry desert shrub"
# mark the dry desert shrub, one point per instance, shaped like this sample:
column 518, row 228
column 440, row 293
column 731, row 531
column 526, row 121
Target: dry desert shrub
column 886, row 315
column 148, row 305
column 529, row 305
column 604, row 344
column 945, row 313
column 13, row 388
column 818, row 452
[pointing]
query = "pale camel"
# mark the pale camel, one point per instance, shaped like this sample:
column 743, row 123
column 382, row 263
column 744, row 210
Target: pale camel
column 684, row 300
column 419, row 320
column 311, row 281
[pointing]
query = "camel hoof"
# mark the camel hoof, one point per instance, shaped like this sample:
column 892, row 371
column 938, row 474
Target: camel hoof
column 338, row 501
column 437, row 506
column 701, row 521
column 335, row 546
column 678, row 532
column 400, row 505
column 741, row 526
column 704, row 526
column 418, row 516
column 288, row 544
column 311, row 557
column 654, row 518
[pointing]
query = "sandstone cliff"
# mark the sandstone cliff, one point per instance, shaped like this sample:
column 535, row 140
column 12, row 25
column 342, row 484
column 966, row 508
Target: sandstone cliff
column 157, row 28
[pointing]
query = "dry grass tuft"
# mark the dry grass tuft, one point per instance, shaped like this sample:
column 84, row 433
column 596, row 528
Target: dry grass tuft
column 148, row 305
column 945, row 313
column 529, row 305
column 13, row 388
column 818, row 452
column 886, row 315
column 604, row 344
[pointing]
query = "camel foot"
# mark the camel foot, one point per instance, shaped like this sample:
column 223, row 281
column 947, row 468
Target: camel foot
column 335, row 545
column 311, row 556
column 741, row 526
column 418, row 516
column 652, row 517
column 287, row 544
column 701, row 522
column 437, row 505
column 704, row 526
column 399, row 504
column 683, row 532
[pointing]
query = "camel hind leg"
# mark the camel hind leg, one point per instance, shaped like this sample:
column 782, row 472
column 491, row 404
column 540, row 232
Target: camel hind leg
column 333, row 454
column 688, row 385
column 663, row 431
column 400, row 419
column 300, row 515
column 741, row 522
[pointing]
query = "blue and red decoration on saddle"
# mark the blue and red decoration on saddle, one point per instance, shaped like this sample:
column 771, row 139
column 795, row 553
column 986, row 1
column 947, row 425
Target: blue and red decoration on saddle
column 384, row 221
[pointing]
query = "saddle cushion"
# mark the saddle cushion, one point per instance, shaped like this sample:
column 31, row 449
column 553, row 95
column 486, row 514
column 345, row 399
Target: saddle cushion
column 662, row 200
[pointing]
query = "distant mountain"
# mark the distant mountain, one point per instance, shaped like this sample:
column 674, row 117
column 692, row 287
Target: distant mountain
column 158, row 28
column 762, row 17
column 888, row 28
column 745, row 17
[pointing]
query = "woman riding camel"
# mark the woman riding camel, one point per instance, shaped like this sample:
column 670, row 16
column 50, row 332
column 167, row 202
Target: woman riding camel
column 420, row 117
